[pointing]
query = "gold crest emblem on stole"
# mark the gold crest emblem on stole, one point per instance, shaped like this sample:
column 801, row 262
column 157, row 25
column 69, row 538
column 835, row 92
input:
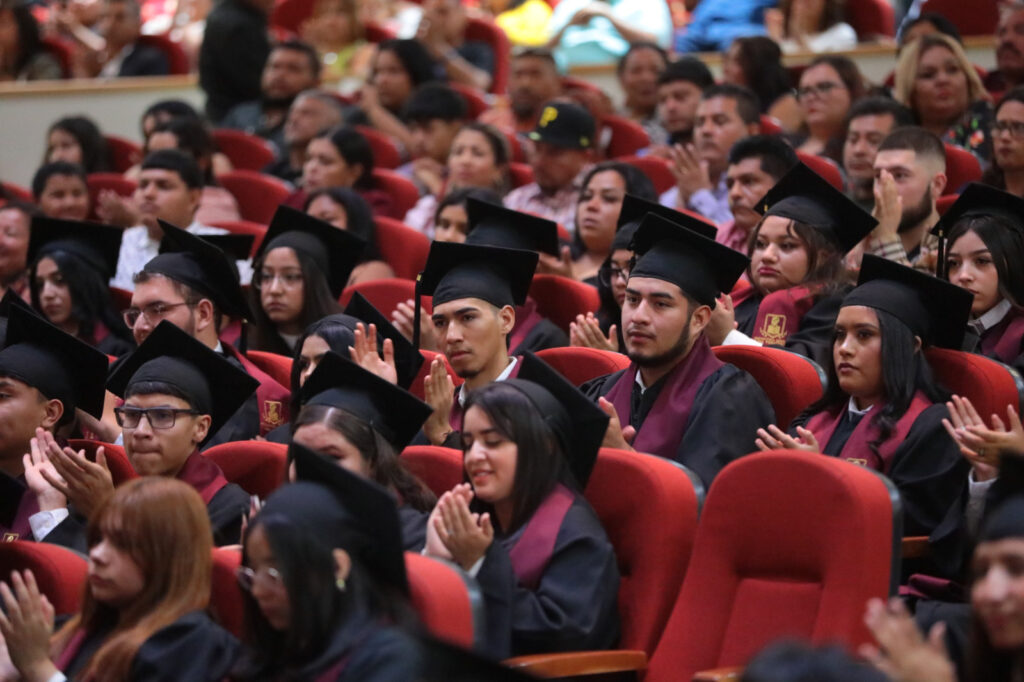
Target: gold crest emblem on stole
column 773, row 331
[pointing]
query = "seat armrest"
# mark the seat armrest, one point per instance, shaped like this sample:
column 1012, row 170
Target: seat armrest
column 915, row 547
column 577, row 663
column 719, row 675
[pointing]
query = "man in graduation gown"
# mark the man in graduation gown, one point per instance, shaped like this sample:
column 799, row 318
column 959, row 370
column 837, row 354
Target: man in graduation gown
column 676, row 399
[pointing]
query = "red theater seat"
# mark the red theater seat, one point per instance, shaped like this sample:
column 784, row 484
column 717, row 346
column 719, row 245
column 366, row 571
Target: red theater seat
column 972, row 18
column 115, row 182
column 62, row 51
column 871, row 19
column 520, row 174
column 824, row 167
column 628, row 137
column 121, row 298
column 279, row 367
column 245, row 151
column 448, row 603
column 439, row 468
column 227, row 603
column 17, row 192
column 384, row 294
column 416, row 388
column 385, row 152
column 59, row 572
column 770, row 125
column 791, row 381
column 403, row 192
column 177, row 60
column 962, row 167
column 117, row 459
column 476, row 102
column 258, row 467
column 561, row 299
column 258, row 195
column 657, row 169
column 943, row 203
column 988, row 384
column 579, row 364
column 124, row 153
column 486, row 31
column 402, row 247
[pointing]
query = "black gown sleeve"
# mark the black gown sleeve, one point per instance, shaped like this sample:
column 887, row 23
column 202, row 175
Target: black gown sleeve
column 414, row 528
column 192, row 648
column 575, row 605
column 814, row 337
column 545, row 334
column 70, row 533
column 227, row 509
column 388, row 654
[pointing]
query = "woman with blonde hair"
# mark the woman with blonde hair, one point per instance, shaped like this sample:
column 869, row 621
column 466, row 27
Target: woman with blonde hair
column 143, row 606
column 942, row 88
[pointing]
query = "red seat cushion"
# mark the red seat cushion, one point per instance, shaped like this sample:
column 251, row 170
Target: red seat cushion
column 258, row 195
column 227, row 603
column 988, row 384
column 279, row 367
column 657, row 169
column 402, row 247
column 384, row 294
column 245, row 151
column 561, row 299
column 440, row 596
column 59, row 572
column 791, row 381
column 579, row 365
column 627, row 137
column 258, row 467
column 439, row 468
column 962, row 167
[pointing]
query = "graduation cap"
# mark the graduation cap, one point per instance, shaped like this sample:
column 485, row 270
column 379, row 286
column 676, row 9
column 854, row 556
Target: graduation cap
column 804, row 196
column 408, row 360
column 932, row 309
column 634, row 209
column 701, row 267
column 58, row 365
column 336, row 252
column 95, row 244
column 393, row 412
column 171, row 356
column 494, row 225
column 198, row 264
column 345, row 511
column 8, row 301
column 978, row 200
column 576, row 420
column 237, row 246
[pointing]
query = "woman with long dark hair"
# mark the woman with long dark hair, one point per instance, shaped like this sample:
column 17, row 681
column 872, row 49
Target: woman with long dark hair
column 399, row 67
column 23, row 57
column 76, row 139
column 347, row 210
column 755, row 62
column 1007, row 169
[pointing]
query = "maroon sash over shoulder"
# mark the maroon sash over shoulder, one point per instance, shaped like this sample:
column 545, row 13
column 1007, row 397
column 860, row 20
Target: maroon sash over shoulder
column 273, row 398
column 665, row 425
column 1004, row 340
column 532, row 553
column 71, row 650
column 527, row 318
column 455, row 418
column 742, row 292
column 779, row 314
column 204, row 475
column 20, row 528
column 857, row 450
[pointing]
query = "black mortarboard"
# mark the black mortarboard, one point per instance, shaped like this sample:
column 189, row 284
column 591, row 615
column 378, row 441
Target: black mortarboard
column 237, row 246
column 499, row 276
column 169, row 355
column 931, row 308
column 8, row 301
column 804, row 196
column 408, row 360
column 634, row 209
column 198, row 264
column 336, row 252
column 701, row 267
column 576, row 419
column 358, row 516
column 97, row 245
column 1006, row 518
column 56, row 364
column 494, row 225
column 392, row 411
column 978, row 200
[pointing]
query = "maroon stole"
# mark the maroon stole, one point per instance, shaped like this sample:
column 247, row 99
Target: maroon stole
column 203, row 474
column 232, row 333
column 665, row 425
column 71, row 650
column 532, row 553
column 780, row 312
column 856, row 449
column 334, row 672
column 742, row 292
column 455, row 418
column 1004, row 340
column 273, row 398
column 20, row 528
column 527, row 318
column 99, row 332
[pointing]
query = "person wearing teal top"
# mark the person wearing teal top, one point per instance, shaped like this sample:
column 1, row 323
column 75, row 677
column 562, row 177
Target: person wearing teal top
column 598, row 32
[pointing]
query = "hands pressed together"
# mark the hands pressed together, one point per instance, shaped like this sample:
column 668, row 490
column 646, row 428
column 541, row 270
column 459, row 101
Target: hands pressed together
column 454, row 532
column 59, row 476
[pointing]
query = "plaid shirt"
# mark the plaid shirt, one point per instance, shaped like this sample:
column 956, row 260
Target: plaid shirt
column 560, row 206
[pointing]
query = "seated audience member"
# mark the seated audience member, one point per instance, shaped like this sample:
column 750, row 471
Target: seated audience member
column 342, row 157
column 533, row 80
column 362, row 422
column 399, row 67
column 442, row 31
column 800, row 662
column 756, row 163
column 680, row 87
column 71, row 265
column 435, row 114
column 882, row 409
column 478, row 160
column 324, row 581
column 937, row 82
column 113, row 48
column 338, row 33
column 145, row 601
column 544, row 563
column 1009, row 71
column 291, row 68
column 312, row 112
column 639, row 70
column 345, row 209
column 76, row 139
column 525, row 22
column 563, row 144
column 675, row 399
column 60, row 191
column 828, row 88
column 47, row 375
column 15, row 229
column 910, row 171
column 725, row 115
column 191, row 136
column 755, row 62
column 451, row 224
column 714, row 24
column 799, row 26
column 869, row 122
column 924, row 24
column 1007, row 169
column 170, row 187
column 299, row 272
column 235, row 49
column 595, row 32
column 23, row 56
column 165, row 111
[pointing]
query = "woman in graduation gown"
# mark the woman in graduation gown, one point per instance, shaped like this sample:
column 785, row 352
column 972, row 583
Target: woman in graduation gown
column 324, row 579
column 882, row 408
column 143, row 609
column 520, row 524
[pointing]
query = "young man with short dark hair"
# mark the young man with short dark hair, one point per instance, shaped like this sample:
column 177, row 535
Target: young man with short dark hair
column 867, row 124
column 434, row 115
column 756, row 163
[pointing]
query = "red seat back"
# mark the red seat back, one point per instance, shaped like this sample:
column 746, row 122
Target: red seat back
column 416, row 388
column 121, row 469
column 789, row 545
column 652, row 540
column 972, row 18
column 486, row 31
column 245, row 151
column 476, row 104
column 657, row 169
column 519, row 174
column 791, row 381
column 59, row 572
column 439, row 468
column 824, row 167
column 770, row 125
column 279, row 367
column 227, row 603
column 62, row 50
column 177, row 60
column 988, row 384
column 627, row 137
column 124, row 153
column 258, row 467
column 257, row 230
column 258, row 195
column 97, row 182
column 962, row 167
column 384, row 294
column 385, row 153
column 871, row 18
column 121, row 298
column 448, row 604
column 561, row 299
column 579, row 364
column 17, row 192
column 403, row 193
column 943, row 203
column 404, row 248
column 289, row 14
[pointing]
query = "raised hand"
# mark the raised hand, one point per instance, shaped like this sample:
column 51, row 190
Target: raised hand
column 774, row 438
column 981, row 445
column 692, row 174
column 902, row 652
column 439, row 393
column 723, row 321
column 403, row 317
column 85, row 484
column 466, row 535
column 364, row 353
column 49, row 496
column 586, row 332
column 26, row 622
column 616, row 436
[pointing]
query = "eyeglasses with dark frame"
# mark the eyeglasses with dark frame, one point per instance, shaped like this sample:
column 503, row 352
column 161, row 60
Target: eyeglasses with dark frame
column 607, row 275
column 247, row 576
column 1015, row 128
column 158, row 417
column 821, row 89
column 154, row 312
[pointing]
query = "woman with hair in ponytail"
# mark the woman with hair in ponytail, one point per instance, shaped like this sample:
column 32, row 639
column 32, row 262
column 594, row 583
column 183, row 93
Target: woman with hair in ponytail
column 143, row 611
column 882, row 408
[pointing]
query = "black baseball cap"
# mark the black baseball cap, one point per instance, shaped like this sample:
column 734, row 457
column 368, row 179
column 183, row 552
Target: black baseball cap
column 564, row 124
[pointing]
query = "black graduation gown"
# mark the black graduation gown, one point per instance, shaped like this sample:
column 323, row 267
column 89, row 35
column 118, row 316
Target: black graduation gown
column 13, row 521
column 545, row 334
column 729, row 408
column 192, row 648
column 745, row 314
column 414, row 528
column 575, row 604
column 244, row 424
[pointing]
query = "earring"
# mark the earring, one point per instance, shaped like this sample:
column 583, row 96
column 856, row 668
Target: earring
column 340, row 583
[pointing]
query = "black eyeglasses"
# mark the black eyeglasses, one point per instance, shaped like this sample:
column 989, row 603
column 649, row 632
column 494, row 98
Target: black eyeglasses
column 154, row 312
column 607, row 275
column 247, row 576
column 1015, row 128
column 158, row 417
column 821, row 89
